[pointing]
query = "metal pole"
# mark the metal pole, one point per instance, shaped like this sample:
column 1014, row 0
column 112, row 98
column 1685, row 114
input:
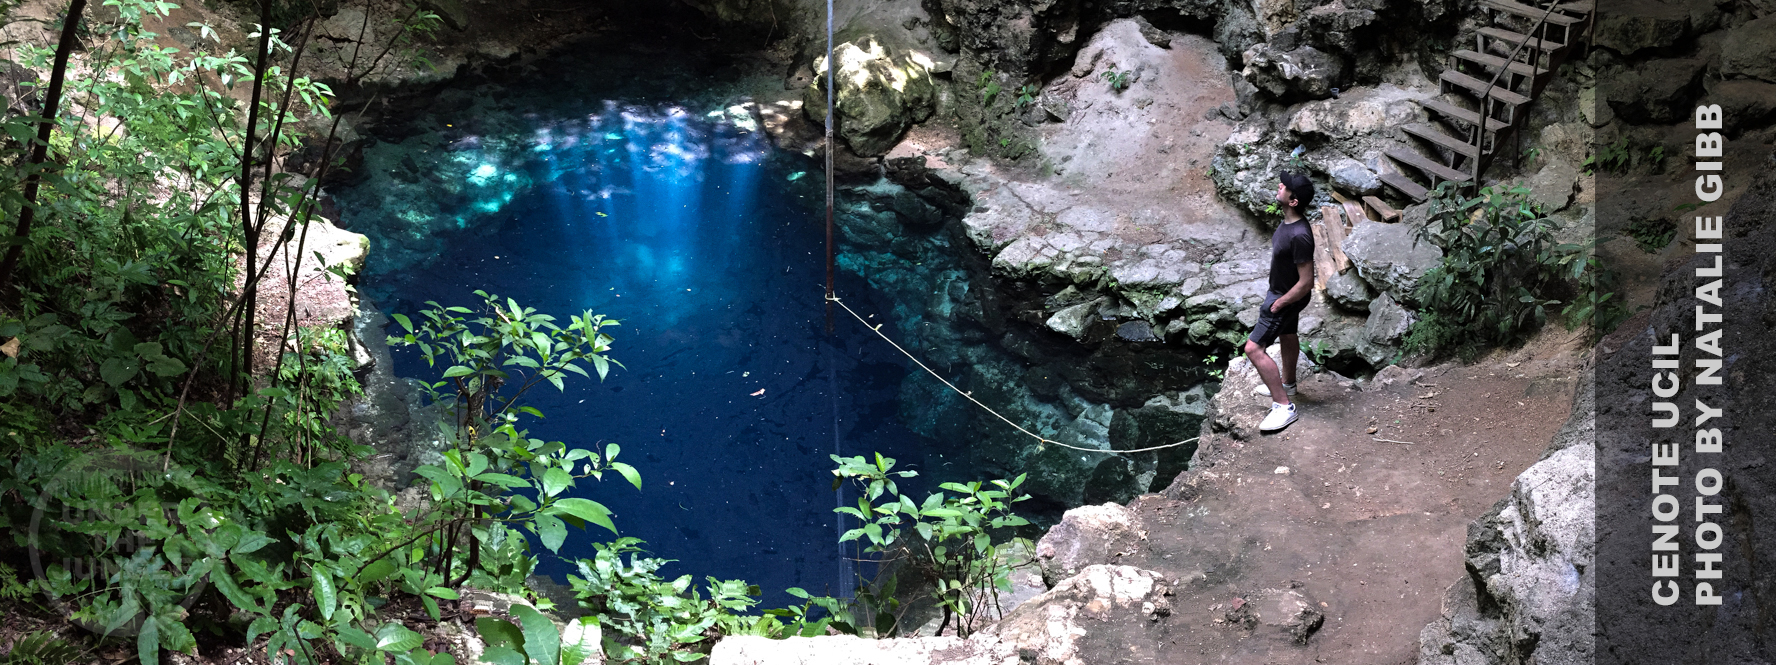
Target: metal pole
column 830, row 65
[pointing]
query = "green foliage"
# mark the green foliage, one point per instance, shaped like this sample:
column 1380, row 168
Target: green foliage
column 1119, row 81
column 1319, row 352
column 1623, row 157
column 1499, row 262
column 1027, row 95
column 649, row 619
column 42, row 648
column 1215, row 371
column 989, row 86
column 485, row 353
column 1596, row 304
column 535, row 639
column 946, row 539
column 1651, row 235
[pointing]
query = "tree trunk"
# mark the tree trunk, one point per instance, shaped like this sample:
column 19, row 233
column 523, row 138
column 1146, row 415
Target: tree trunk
column 52, row 100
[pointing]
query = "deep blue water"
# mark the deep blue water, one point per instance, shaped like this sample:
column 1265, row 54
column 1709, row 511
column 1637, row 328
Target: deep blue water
column 688, row 232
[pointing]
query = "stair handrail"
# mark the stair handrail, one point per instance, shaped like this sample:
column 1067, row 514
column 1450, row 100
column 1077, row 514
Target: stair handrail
column 1485, row 95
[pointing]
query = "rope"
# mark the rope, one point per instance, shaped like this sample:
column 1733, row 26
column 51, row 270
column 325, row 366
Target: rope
column 1040, row 440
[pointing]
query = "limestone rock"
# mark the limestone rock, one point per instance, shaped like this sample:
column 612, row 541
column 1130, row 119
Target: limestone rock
column 1350, row 291
column 1301, row 73
column 852, row 650
column 1357, row 112
column 1073, row 320
column 1388, row 323
column 1636, row 25
column 1389, row 257
column 1285, row 611
column 1750, row 50
column 1085, row 535
column 1021, row 39
column 1659, row 91
column 882, row 90
column 1529, row 562
column 1100, row 615
column 1745, row 103
column 1552, row 187
column 1352, row 177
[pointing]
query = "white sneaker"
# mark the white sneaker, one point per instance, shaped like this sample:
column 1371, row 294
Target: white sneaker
column 1265, row 390
column 1279, row 417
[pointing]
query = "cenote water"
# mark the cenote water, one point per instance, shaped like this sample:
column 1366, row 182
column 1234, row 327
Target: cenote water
column 709, row 250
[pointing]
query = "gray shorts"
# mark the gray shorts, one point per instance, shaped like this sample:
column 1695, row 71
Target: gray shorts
column 1272, row 325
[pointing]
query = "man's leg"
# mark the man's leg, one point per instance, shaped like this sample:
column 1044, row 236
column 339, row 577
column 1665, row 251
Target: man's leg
column 1267, row 370
column 1291, row 351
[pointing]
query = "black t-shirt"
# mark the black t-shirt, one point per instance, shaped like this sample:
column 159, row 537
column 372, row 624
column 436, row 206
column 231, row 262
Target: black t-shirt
column 1292, row 244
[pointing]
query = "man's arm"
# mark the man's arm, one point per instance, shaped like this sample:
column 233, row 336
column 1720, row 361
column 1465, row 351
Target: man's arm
column 1299, row 291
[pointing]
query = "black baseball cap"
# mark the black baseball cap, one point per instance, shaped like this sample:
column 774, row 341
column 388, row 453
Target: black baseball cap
column 1299, row 186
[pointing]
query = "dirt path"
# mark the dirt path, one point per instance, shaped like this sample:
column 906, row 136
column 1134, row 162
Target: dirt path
column 1368, row 532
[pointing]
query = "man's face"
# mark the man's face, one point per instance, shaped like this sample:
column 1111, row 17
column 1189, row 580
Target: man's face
column 1283, row 194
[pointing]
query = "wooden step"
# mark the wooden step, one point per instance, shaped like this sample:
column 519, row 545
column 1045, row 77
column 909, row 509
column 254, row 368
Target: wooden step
column 1442, row 138
column 1324, row 266
column 1405, row 185
column 1493, row 62
column 1458, row 113
column 1531, row 13
column 1498, row 92
column 1515, row 38
column 1426, row 165
column 1381, row 209
column 1581, row 7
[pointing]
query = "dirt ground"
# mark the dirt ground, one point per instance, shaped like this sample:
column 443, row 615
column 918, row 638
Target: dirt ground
column 1362, row 506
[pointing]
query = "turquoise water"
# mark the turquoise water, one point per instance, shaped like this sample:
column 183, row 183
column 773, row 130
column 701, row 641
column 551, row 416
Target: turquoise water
column 702, row 242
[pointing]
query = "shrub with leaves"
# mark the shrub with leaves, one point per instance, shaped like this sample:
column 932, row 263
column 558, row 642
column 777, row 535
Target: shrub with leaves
column 648, row 619
column 947, row 539
column 1500, row 262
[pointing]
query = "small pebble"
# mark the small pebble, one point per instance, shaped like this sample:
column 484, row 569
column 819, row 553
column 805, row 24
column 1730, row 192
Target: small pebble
column 1372, row 430
column 1282, row 471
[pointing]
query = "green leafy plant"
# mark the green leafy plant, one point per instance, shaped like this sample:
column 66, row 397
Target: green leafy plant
column 989, row 86
column 1499, row 261
column 649, row 619
column 1319, row 352
column 1215, row 371
column 42, row 648
column 947, row 540
column 1651, row 235
column 534, row 640
column 1027, row 95
column 1595, row 303
column 1119, row 81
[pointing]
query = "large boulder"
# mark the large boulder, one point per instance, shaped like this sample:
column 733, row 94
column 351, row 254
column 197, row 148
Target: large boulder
column 1350, row 291
column 881, row 91
column 1085, row 535
column 1636, row 25
column 1022, row 39
column 1657, row 91
column 1750, row 50
column 1745, row 103
column 1387, row 325
column 1301, row 73
column 1390, row 257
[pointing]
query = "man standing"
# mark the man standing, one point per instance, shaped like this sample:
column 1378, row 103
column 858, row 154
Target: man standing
column 1291, row 277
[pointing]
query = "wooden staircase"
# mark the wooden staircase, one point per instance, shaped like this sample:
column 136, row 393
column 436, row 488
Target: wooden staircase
column 1491, row 85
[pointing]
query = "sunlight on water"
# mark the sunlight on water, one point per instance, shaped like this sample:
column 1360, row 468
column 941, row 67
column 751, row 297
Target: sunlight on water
column 679, row 224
